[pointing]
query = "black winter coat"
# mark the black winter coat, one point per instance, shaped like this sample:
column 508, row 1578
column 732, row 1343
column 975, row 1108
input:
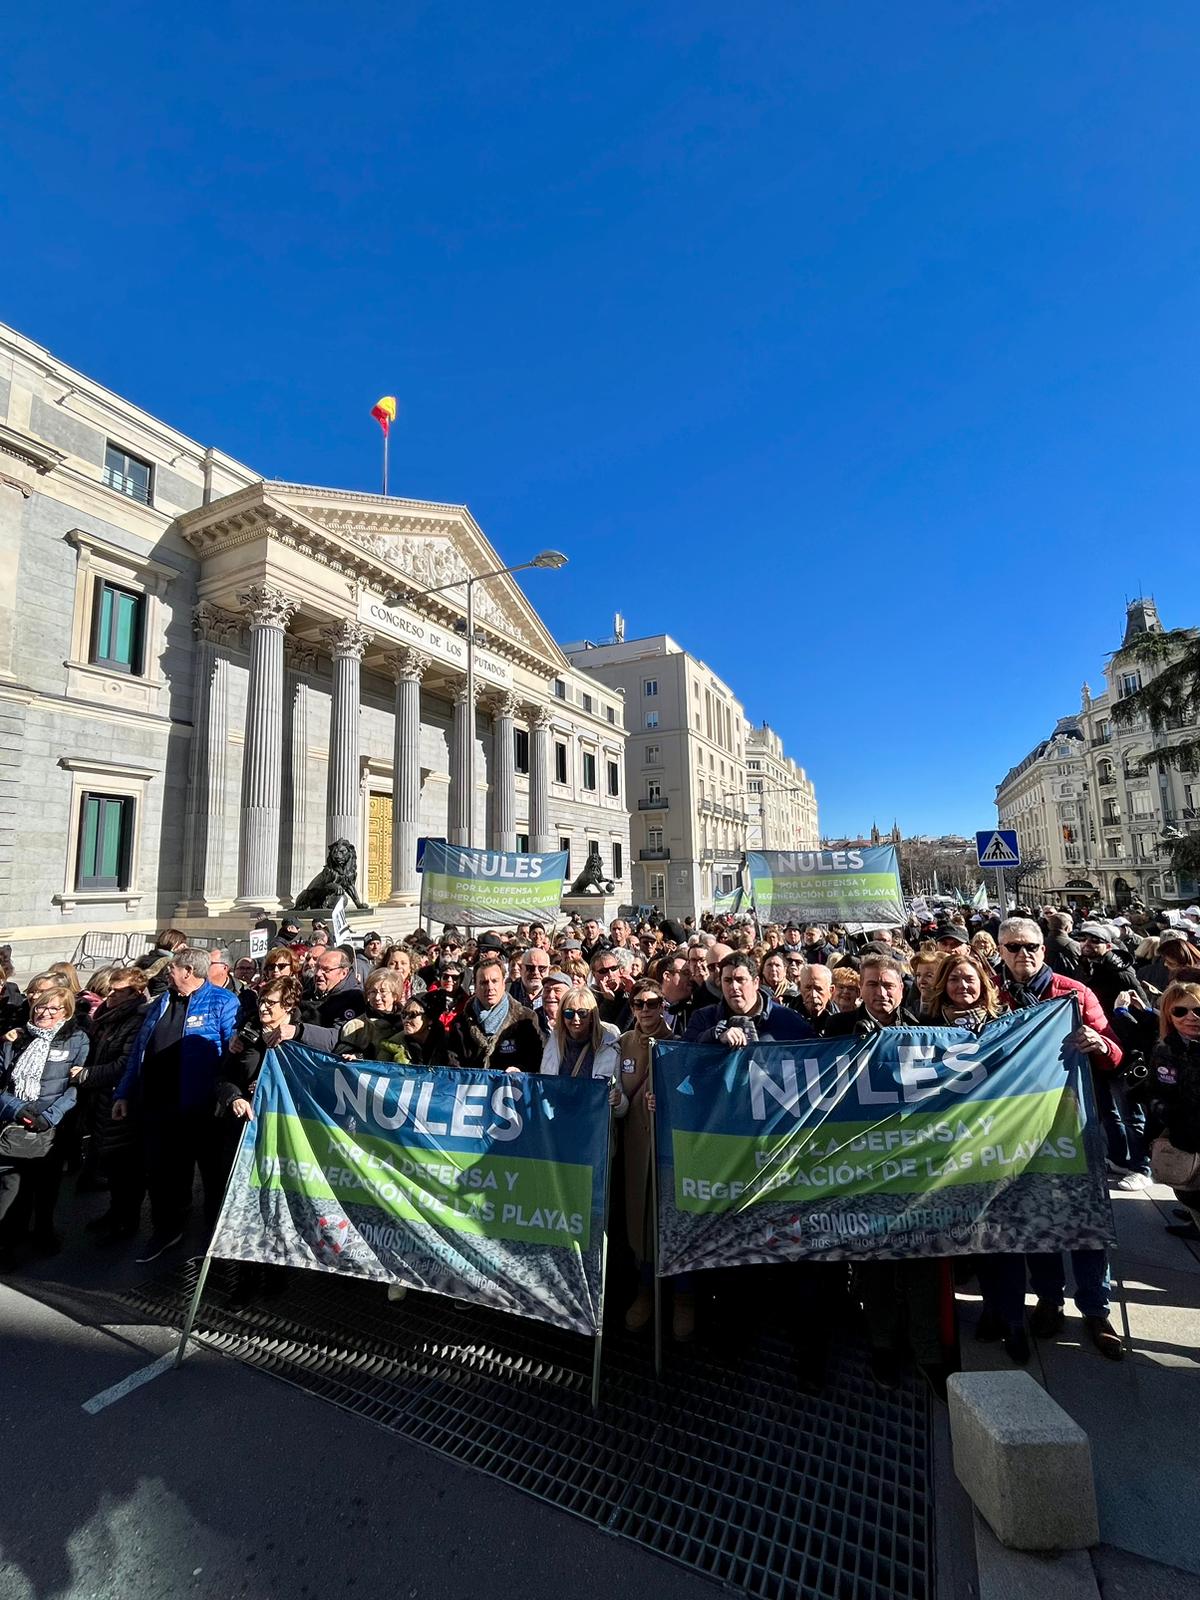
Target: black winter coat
column 1107, row 976
column 112, row 1035
column 1175, row 1093
column 518, row 1044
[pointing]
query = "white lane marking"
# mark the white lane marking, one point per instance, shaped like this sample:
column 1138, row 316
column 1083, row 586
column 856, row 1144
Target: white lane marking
column 127, row 1385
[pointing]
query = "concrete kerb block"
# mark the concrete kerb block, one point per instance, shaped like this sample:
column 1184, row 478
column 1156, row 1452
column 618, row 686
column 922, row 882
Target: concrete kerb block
column 1026, row 1465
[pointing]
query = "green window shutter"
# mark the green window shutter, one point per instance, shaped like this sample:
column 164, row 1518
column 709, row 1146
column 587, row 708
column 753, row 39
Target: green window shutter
column 104, row 632
column 91, row 830
column 125, row 642
column 109, row 864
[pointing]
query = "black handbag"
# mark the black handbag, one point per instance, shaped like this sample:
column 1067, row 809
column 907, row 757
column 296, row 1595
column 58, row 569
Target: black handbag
column 23, row 1144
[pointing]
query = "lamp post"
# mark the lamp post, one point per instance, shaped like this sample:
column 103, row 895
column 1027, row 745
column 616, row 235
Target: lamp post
column 550, row 560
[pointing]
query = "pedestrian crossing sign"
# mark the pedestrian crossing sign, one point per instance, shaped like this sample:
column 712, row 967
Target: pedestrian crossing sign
column 998, row 847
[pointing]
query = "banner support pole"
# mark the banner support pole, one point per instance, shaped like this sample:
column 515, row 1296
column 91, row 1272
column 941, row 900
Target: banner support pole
column 599, row 1339
column 194, row 1306
column 658, row 1354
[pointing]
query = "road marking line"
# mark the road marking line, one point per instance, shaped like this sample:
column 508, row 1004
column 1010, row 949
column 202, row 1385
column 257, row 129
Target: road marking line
column 127, row 1385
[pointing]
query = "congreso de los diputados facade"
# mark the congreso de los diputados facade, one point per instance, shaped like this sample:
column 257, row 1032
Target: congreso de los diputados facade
column 206, row 677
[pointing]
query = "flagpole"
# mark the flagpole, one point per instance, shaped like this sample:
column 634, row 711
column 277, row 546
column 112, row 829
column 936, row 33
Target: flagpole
column 386, row 431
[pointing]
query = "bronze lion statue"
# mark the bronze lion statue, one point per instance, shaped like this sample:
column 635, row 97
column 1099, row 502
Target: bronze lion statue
column 335, row 878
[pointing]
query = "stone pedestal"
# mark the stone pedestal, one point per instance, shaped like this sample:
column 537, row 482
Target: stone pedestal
column 604, row 907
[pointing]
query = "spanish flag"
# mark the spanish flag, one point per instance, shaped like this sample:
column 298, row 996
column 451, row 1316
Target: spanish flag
column 384, row 412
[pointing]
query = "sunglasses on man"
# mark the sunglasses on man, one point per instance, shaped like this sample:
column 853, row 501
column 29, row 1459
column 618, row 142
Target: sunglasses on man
column 647, row 1003
column 1027, row 949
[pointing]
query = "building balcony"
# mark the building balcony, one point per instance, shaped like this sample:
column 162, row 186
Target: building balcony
column 654, row 855
column 660, row 804
column 1106, row 783
column 1103, row 738
column 706, row 806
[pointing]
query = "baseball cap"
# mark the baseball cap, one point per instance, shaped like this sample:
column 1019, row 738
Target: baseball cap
column 1098, row 930
column 558, row 977
column 953, row 931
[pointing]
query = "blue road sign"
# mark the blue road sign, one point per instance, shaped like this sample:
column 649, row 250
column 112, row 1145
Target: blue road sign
column 998, row 847
column 426, row 838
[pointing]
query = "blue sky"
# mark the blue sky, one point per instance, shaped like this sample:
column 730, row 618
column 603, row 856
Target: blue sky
column 853, row 345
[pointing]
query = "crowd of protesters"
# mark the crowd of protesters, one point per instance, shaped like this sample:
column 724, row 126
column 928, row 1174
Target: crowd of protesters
column 137, row 1078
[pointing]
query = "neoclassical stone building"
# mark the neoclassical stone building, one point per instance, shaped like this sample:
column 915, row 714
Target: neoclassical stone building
column 205, row 677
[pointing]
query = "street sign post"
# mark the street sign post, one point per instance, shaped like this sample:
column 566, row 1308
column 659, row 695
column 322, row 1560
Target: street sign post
column 998, row 848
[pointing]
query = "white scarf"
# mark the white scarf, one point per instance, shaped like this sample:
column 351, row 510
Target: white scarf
column 31, row 1063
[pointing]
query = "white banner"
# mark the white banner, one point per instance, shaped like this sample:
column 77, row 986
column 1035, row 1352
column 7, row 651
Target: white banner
column 397, row 622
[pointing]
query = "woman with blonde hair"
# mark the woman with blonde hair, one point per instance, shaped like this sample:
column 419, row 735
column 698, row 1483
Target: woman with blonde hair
column 37, row 1089
column 845, row 988
column 581, row 1045
column 1173, row 1091
column 925, row 965
column 963, row 992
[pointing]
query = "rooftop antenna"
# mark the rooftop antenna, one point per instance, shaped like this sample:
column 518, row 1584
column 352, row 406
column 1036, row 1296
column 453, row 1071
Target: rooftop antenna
column 618, row 627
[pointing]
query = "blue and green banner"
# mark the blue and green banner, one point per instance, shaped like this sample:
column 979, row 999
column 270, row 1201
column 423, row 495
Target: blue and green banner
column 490, row 888
column 915, row 1142
column 485, row 1185
column 849, row 886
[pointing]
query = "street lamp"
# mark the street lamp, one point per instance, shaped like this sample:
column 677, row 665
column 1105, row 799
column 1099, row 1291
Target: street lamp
column 547, row 560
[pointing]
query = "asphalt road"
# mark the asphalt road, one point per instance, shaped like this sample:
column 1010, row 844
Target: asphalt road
column 216, row 1480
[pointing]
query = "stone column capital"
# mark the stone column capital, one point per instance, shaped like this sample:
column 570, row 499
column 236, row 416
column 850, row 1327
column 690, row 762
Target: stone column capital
column 298, row 654
column 460, row 692
column 217, row 626
column 266, row 607
column 346, row 638
column 407, row 665
column 540, row 717
column 504, row 705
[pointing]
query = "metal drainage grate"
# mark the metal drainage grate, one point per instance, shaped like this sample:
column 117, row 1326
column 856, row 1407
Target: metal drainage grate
column 727, row 1465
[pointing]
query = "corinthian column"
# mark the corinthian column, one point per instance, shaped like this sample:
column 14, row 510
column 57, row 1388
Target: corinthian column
column 406, row 666
column 268, row 611
column 204, row 823
column 462, row 734
column 504, row 773
column 540, row 838
column 346, row 642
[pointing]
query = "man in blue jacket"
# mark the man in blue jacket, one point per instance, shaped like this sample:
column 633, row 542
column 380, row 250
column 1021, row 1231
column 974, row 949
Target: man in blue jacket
column 172, row 1075
column 745, row 1014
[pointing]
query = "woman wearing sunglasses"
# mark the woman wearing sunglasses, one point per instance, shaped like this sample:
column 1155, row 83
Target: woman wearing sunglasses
column 38, row 1069
column 581, row 1045
column 424, row 1038
column 1174, row 1090
column 649, row 1024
